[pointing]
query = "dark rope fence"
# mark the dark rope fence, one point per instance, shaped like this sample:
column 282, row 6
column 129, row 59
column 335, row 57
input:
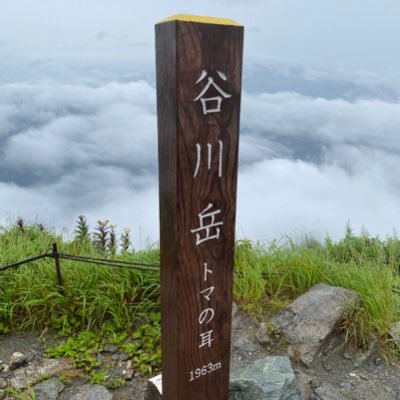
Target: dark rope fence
column 25, row 261
column 112, row 263
column 139, row 266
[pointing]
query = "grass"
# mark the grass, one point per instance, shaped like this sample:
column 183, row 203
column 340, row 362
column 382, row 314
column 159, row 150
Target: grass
column 112, row 301
column 95, row 296
column 269, row 277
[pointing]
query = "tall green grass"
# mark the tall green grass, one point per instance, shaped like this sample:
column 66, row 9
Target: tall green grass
column 95, row 296
column 267, row 277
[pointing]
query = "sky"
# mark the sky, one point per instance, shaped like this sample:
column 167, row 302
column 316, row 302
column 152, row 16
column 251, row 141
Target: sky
column 320, row 120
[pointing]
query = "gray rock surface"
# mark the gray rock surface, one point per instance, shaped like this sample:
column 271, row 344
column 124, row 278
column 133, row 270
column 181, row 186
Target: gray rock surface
column 262, row 335
column 3, row 383
column 18, row 360
column 245, row 345
column 327, row 392
column 271, row 378
column 124, row 356
column 110, row 348
column 26, row 376
column 364, row 356
column 395, row 332
column 48, row 390
column 309, row 321
column 92, row 392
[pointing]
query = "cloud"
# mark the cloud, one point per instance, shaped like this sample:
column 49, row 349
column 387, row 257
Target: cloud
column 328, row 82
column 291, row 197
column 306, row 126
column 68, row 149
column 311, row 159
column 327, row 162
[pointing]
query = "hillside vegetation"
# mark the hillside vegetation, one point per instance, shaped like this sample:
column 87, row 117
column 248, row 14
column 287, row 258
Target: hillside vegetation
column 119, row 302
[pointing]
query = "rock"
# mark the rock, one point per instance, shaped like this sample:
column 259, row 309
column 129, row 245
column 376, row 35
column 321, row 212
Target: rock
column 92, row 392
column 110, row 348
column 271, row 378
column 48, row 390
column 26, row 376
column 327, row 367
column 124, row 356
column 362, row 357
column 262, row 335
column 308, row 322
column 379, row 362
column 346, row 356
column 128, row 374
column 334, row 345
column 326, row 392
column 100, row 358
column 154, row 388
column 346, row 386
column 395, row 333
column 6, row 369
column 245, row 345
column 18, row 360
column 3, row 383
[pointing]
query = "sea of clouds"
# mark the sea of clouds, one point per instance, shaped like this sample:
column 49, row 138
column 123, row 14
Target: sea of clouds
column 308, row 163
column 320, row 122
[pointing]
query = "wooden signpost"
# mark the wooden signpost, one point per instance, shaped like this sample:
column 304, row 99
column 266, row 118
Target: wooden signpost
column 199, row 71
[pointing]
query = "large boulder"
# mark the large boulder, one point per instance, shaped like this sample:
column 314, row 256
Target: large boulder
column 309, row 321
column 271, row 378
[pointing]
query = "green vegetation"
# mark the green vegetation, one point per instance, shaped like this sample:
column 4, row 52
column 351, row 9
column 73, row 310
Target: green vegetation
column 99, row 300
column 269, row 277
column 121, row 306
column 28, row 394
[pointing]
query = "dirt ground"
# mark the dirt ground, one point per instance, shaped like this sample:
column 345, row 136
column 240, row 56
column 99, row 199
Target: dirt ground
column 357, row 376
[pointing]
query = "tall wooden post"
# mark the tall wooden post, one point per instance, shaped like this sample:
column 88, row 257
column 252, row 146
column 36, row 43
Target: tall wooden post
column 199, row 70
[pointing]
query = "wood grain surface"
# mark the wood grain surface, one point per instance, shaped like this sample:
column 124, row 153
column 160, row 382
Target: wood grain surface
column 196, row 302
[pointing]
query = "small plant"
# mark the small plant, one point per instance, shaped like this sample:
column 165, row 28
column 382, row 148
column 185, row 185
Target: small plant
column 98, row 377
column 41, row 227
column 82, row 229
column 18, row 394
column 101, row 235
column 82, row 349
column 145, row 348
column 112, row 242
column 67, row 376
column 3, row 329
column 20, row 223
column 101, row 378
column 126, row 240
column 113, row 383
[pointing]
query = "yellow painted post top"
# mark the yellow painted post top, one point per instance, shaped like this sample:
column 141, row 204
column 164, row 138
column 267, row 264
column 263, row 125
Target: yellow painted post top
column 200, row 19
